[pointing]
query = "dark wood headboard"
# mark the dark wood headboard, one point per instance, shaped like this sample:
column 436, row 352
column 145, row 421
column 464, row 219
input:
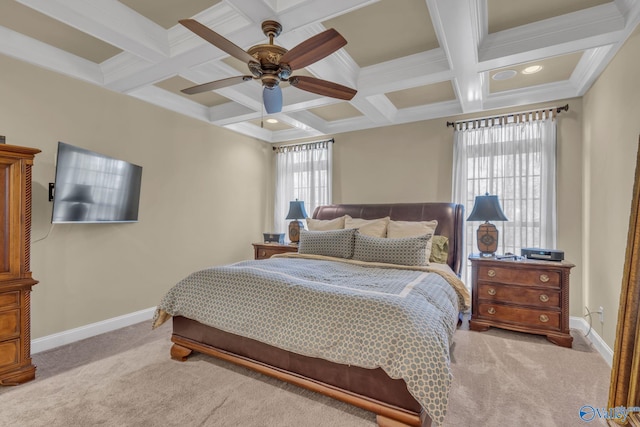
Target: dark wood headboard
column 450, row 218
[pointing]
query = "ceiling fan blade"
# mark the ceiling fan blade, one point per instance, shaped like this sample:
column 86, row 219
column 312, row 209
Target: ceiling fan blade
column 272, row 99
column 313, row 49
column 218, row 84
column 322, row 87
column 217, row 40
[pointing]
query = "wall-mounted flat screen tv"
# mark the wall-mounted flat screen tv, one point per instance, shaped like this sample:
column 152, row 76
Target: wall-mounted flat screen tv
column 94, row 188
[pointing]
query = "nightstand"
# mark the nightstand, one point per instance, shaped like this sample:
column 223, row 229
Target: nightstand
column 521, row 295
column 267, row 250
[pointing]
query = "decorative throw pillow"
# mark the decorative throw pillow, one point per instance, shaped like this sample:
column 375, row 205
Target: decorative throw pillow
column 325, row 224
column 439, row 249
column 334, row 243
column 397, row 229
column 401, row 251
column 370, row 227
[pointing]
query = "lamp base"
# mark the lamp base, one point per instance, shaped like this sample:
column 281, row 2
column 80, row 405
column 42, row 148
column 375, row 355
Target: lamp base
column 294, row 230
column 487, row 237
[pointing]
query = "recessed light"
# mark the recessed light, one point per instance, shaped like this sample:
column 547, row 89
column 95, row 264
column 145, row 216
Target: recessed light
column 504, row 75
column 532, row 69
column 272, row 121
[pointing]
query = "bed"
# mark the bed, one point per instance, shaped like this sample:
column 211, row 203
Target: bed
column 373, row 382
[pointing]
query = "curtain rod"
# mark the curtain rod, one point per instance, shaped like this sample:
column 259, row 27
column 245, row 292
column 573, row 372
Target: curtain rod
column 303, row 143
column 558, row 110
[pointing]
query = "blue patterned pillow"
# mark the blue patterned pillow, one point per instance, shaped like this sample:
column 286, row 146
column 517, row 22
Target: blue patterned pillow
column 334, row 243
column 401, row 251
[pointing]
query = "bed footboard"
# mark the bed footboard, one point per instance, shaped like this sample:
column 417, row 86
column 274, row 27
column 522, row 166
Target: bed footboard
column 388, row 414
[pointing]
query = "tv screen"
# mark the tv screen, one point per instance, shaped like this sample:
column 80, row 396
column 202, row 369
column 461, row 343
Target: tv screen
column 94, row 188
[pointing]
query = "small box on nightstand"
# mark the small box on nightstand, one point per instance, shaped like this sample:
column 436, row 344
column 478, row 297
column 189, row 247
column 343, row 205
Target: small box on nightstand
column 273, row 238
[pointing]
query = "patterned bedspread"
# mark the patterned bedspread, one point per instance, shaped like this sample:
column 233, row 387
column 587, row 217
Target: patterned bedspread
column 399, row 319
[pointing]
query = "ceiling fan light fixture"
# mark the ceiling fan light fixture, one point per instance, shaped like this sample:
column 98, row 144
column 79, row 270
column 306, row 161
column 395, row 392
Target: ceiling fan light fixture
column 255, row 68
column 272, row 99
column 272, row 121
column 285, row 72
column 532, row 69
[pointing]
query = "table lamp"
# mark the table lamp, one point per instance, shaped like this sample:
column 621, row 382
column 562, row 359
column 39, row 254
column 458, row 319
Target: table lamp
column 487, row 208
column 296, row 213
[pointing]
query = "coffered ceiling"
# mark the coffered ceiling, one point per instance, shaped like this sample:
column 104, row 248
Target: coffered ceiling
column 409, row 60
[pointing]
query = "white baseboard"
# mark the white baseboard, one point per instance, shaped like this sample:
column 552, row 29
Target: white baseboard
column 583, row 326
column 72, row 335
column 91, row 330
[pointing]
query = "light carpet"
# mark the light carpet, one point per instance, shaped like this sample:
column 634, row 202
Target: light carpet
column 126, row 378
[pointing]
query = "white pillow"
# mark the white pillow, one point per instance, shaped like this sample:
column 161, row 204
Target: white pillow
column 325, row 224
column 369, row 227
column 396, row 229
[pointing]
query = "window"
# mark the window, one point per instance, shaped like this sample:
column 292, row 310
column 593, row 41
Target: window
column 516, row 160
column 303, row 173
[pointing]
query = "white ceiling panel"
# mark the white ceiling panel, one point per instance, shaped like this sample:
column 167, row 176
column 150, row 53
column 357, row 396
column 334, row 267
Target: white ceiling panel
column 409, row 60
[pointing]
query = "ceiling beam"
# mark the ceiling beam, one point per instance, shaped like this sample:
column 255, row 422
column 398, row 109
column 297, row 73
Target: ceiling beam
column 110, row 21
column 35, row 52
column 561, row 35
column 456, row 26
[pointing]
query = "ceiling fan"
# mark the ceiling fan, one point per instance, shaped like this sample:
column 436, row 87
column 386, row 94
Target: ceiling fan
column 272, row 64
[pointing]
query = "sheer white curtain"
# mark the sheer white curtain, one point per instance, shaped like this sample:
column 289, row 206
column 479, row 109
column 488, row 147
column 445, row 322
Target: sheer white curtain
column 303, row 173
column 517, row 162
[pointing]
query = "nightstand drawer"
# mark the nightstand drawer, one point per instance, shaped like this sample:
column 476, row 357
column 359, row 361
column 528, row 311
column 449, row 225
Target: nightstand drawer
column 267, row 250
column 264, row 253
column 519, row 295
column 540, row 319
column 519, row 276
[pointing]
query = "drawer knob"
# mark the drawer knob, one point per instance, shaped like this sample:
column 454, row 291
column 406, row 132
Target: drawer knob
column 544, row 278
column 491, row 273
column 544, row 318
column 491, row 310
column 491, row 291
column 544, row 298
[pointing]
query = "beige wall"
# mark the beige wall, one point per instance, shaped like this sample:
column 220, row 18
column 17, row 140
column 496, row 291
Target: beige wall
column 413, row 163
column 611, row 128
column 204, row 192
column 401, row 163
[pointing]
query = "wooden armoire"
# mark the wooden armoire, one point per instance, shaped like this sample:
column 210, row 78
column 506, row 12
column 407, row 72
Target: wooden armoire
column 15, row 273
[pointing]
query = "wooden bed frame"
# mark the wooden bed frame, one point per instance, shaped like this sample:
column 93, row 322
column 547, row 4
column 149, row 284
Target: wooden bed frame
column 370, row 389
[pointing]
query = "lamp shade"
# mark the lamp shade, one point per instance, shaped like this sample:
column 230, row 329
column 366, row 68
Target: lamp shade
column 487, row 208
column 296, row 210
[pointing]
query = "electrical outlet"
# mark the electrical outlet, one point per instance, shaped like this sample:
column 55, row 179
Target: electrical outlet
column 601, row 314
